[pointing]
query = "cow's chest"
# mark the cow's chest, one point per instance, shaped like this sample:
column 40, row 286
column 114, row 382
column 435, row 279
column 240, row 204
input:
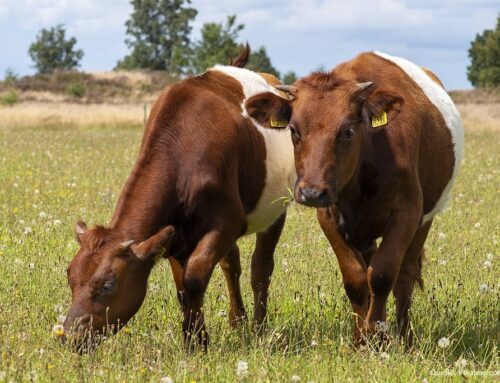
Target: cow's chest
column 279, row 180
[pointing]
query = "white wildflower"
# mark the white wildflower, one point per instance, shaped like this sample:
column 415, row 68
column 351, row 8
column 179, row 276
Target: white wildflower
column 242, row 368
column 385, row 356
column 37, row 191
column 461, row 363
column 314, row 343
column 444, row 342
column 15, row 184
column 61, row 319
column 487, row 264
column 382, row 326
column 31, row 266
column 285, row 265
column 295, row 379
column 166, row 379
column 222, row 313
column 18, row 261
column 489, row 256
column 28, row 230
column 42, row 214
column 477, row 225
column 441, row 235
column 21, row 222
column 57, row 222
column 484, row 288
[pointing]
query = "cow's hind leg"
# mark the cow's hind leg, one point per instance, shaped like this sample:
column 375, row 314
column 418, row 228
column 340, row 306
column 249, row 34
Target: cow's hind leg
column 262, row 267
column 231, row 267
column 409, row 274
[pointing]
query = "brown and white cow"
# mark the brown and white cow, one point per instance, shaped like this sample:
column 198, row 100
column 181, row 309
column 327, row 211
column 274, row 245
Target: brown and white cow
column 378, row 144
column 206, row 175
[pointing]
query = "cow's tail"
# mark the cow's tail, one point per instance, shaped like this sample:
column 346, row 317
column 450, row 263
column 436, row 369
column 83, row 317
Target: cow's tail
column 242, row 58
column 420, row 280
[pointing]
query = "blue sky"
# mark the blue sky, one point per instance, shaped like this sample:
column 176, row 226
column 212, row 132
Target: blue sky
column 299, row 35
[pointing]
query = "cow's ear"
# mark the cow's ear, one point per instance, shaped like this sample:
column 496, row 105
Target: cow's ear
column 155, row 246
column 381, row 106
column 269, row 110
column 80, row 229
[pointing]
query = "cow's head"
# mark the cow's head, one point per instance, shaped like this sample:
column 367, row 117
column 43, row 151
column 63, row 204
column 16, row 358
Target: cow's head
column 328, row 122
column 108, row 280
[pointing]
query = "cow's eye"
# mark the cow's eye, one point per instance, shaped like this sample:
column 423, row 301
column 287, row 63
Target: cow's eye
column 347, row 134
column 107, row 287
column 294, row 133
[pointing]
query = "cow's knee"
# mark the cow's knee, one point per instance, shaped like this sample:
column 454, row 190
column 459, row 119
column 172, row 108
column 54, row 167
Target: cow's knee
column 381, row 281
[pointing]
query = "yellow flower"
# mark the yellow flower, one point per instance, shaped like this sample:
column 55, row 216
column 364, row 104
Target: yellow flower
column 50, row 366
column 126, row 330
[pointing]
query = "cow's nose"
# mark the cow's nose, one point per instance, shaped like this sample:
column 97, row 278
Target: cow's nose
column 313, row 196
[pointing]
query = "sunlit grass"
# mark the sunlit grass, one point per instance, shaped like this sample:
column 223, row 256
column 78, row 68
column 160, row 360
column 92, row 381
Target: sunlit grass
column 50, row 177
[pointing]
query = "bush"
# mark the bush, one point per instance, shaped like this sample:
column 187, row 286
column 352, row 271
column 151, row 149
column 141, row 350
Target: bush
column 76, row 89
column 10, row 77
column 9, row 98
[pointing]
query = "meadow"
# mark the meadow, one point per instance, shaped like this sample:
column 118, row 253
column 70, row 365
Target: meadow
column 59, row 163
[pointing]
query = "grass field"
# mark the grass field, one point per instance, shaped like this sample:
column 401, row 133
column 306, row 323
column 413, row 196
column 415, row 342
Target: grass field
column 53, row 173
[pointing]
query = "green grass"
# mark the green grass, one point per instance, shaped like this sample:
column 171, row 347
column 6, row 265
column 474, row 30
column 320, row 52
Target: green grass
column 64, row 174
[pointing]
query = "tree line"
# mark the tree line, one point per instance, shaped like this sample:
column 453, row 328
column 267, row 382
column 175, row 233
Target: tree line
column 159, row 38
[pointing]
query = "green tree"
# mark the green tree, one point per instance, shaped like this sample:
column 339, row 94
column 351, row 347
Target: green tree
column 484, row 53
column 52, row 51
column 289, row 78
column 217, row 44
column 159, row 35
column 260, row 61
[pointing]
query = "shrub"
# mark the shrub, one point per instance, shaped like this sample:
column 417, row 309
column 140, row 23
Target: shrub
column 76, row 89
column 9, row 98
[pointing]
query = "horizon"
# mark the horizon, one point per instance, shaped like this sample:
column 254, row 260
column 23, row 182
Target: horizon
column 295, row 33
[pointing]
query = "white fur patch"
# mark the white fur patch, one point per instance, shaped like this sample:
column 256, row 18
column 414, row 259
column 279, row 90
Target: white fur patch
column 451, row 116
column 280, row 166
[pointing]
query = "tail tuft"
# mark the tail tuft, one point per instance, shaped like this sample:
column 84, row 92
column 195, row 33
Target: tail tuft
column 243, row 57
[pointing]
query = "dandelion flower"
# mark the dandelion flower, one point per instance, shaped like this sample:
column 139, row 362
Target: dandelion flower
column 295, row 379
column 42, row 214
column 242, row 368
column 487, row 264
column 444, row 342
column 58, row 330
column 477, row 225
column 57, row 222
column 166, row 379
column 484, row 288
column 441, row 235
column 28, row 230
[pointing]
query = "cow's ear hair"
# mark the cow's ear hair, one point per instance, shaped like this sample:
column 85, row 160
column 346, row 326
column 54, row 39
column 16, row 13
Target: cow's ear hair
column 269, row 110
column 379, row 101
column 155, row 246
column 80, row 229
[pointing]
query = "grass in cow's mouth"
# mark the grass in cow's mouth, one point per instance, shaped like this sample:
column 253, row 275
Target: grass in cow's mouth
column 49, row 178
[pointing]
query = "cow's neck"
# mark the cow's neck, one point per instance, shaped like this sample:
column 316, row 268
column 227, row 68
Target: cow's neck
column 142, row 208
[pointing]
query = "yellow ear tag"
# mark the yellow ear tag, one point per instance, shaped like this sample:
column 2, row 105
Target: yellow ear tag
column 379, row 120
column 278, row 123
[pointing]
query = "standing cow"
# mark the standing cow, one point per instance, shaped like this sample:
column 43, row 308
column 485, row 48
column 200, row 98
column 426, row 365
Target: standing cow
column 378, row 144
column 206, row 175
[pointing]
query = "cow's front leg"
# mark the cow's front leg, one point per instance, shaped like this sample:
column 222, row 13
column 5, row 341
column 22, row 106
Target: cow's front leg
column 385, row 265
column 262, row 267
column 352, row 267
column 198, row 270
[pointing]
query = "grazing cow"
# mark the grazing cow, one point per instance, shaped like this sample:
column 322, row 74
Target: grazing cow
column 378, row 144
column 206, row 175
